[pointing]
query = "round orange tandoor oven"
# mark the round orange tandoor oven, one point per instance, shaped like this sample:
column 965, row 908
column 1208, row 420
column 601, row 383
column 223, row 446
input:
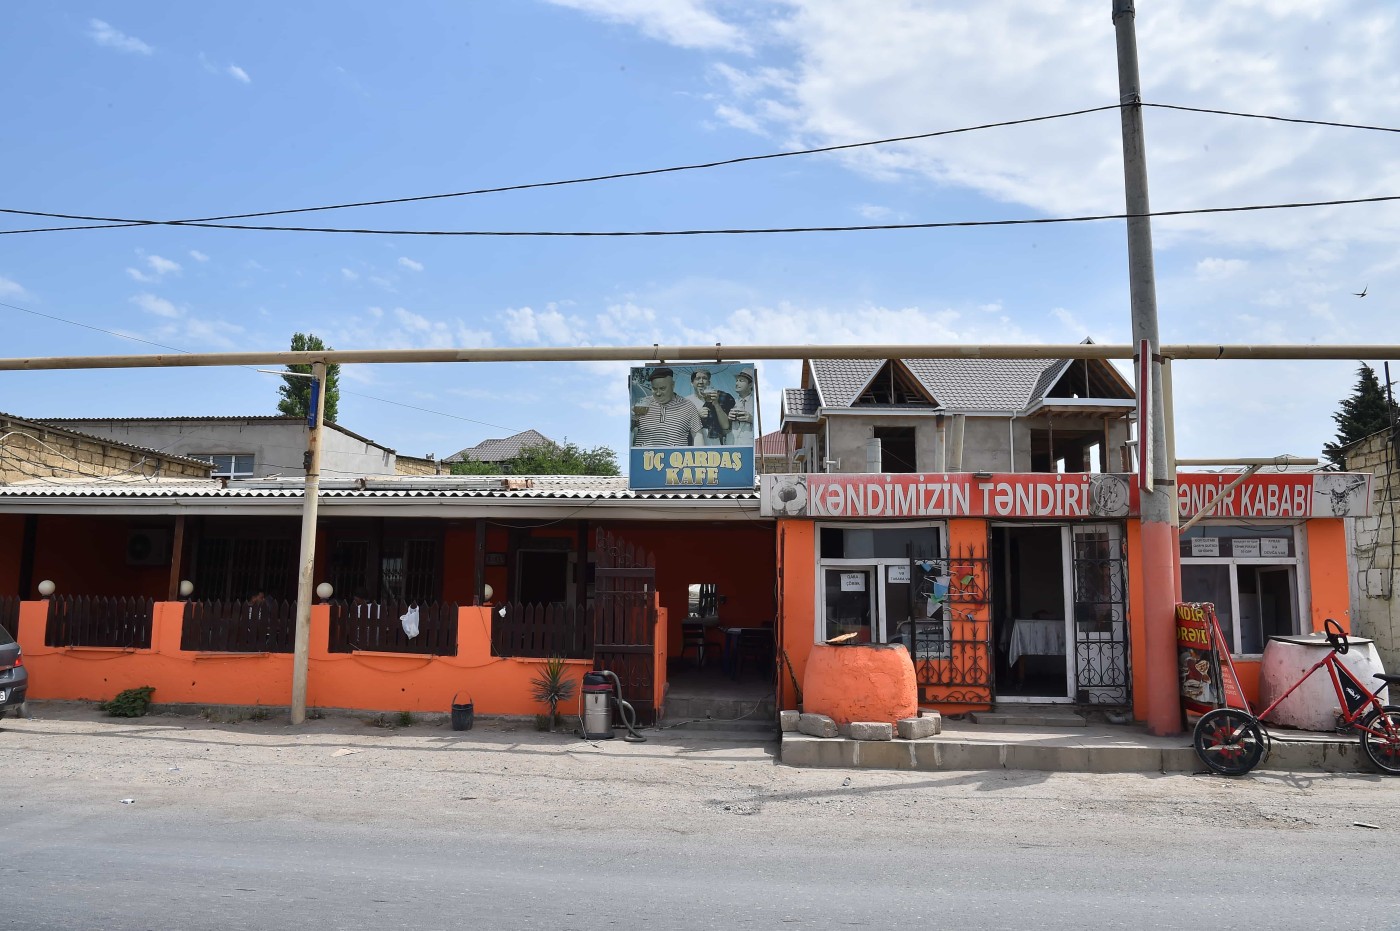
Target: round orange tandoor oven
column 860, row 682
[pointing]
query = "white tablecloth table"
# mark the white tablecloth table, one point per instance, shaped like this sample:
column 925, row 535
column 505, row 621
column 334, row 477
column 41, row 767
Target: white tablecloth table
column 1031, row 637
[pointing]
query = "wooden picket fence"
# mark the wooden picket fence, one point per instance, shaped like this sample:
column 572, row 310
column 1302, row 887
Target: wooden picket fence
column 377, row 626
column 98, row 621
column 239, row 627
column 540, row 630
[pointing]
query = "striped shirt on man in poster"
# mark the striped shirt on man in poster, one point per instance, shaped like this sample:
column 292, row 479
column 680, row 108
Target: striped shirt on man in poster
column 665, row 419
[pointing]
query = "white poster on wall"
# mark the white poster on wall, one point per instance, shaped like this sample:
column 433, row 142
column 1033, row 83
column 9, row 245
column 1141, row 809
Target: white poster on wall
column 1205, row 546
column 1274, row 546
column 853, row 581
column 898, row 574
column 1244, row 549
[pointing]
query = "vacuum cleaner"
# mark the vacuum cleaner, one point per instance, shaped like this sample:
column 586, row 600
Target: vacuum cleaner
column 601, row 692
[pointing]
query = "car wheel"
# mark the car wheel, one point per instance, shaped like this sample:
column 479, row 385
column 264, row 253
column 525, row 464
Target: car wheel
column 22, row 710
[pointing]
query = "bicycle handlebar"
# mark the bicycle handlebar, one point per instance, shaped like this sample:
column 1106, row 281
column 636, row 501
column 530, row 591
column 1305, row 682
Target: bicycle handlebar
column 1336, row 637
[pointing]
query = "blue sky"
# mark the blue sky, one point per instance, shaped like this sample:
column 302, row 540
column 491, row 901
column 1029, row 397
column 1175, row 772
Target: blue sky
column 164, row 110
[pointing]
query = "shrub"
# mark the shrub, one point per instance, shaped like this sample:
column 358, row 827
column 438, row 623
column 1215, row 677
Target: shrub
column 130, row 703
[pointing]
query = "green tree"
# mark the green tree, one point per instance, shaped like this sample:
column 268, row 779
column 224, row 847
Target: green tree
column 547, row 459
column 1367, row 411
column 296, row 392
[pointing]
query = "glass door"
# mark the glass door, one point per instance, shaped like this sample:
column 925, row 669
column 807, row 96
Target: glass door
column 849, row 603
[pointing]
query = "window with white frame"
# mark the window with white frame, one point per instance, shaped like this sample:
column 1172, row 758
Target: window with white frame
column 1251, row 573
column 880, row 584
column 227, row 465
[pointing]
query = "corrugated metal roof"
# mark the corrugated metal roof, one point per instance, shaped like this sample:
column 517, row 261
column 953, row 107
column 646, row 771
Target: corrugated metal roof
column 214, row 418
column 592, row 487
column 92, row 437
column 777, row 443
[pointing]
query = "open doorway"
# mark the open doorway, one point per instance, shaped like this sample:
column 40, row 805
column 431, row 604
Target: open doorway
column 1029, row 626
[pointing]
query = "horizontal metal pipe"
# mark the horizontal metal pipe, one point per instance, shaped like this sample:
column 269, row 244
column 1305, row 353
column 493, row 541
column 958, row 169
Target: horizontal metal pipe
column 716, row 353
column 1255, row 461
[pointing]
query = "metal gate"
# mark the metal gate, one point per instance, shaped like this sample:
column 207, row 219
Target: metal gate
column 951, row 624
column 624, row 621
column 1100, row 568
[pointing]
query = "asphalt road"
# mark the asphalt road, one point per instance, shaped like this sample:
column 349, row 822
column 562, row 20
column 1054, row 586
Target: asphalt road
column 342, row 825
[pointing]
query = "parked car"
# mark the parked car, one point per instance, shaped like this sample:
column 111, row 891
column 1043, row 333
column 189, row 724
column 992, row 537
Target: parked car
column 14, row 678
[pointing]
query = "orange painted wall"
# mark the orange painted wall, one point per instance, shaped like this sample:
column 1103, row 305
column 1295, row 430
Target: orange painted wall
column 361, row 680
column 797, row 624
column 1137, row 627
column 1328, row 573
column 738, row 559
column 11, row 539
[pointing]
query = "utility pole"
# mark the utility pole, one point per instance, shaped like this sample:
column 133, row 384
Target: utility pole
column 301, row 651
column 1158, row 510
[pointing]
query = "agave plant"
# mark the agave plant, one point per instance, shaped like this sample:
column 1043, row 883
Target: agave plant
column 553, row 686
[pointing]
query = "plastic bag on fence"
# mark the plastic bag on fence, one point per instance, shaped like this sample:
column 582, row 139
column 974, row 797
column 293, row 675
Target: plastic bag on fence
column 410, row 622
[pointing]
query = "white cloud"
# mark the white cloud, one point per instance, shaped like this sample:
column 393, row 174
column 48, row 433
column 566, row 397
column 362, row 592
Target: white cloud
column 109, row 37
column 547, row 327
column 399, row 328
column 239, row 74
column 381, row 281
column 349, row 275
column 152, row 304
column 10, row 288
column 686, row 23
column 410, row 264
column 138, row 275
column 198, row 256
column 875, row 213
column 1215, row 269
column 162, row 266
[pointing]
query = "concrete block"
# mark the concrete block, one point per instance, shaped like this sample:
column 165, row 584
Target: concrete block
column 883, row 755
column 1047, row 759
column 787, row 720
column 957, row 755
column 816, row 725
column 872, row 730
column 920, row 727
column 802, row 750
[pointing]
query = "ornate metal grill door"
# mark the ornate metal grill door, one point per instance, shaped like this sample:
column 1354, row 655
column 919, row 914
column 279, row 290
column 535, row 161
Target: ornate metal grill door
column 1100, row 568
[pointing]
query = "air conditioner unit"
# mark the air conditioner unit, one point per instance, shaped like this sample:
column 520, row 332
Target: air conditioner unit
column 148, row 548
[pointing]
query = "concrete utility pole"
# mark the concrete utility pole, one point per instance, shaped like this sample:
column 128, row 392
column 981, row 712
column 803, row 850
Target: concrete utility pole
column 1158, row 512
column 301, row 651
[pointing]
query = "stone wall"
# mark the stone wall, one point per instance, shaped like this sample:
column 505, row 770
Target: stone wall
column 1373, row 545
column 413, row 465
column 29, row 451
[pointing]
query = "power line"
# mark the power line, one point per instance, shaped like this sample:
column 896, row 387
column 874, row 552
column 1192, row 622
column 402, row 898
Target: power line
column 1279, row 119
column 741, row 231
column 117, row 222
column 358, row 394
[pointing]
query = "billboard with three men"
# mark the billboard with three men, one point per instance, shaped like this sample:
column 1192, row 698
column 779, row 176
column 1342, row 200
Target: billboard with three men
column 693, row 426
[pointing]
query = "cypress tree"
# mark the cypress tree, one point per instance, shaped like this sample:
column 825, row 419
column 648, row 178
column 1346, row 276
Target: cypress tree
column 1360, row 415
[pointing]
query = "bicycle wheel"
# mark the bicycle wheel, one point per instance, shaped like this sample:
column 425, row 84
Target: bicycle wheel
column 1228, row 741
column 1383, row 747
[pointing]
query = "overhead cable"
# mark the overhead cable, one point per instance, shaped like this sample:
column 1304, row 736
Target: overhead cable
column 742, row 231
column 614, row 176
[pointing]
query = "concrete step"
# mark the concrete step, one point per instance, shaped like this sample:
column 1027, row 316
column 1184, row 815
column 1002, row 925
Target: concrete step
column 1092, row 749
column 1028, row 717
column 679, row 708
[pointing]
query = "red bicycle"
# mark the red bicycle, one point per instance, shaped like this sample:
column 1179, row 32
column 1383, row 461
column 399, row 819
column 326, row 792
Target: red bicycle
column 1231, row 741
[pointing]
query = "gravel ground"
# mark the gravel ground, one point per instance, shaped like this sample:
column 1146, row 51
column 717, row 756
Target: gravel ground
column 347, row 769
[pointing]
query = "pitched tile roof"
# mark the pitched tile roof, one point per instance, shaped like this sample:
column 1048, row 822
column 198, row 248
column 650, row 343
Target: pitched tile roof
column 501, row 448
column 957, row 384
column 800, row 402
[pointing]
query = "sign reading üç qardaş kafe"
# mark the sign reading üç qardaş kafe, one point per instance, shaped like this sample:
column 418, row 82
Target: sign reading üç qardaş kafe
column 693, row 426
column 963, row 494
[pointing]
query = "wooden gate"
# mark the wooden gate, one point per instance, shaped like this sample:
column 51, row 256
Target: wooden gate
column 624, row 621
